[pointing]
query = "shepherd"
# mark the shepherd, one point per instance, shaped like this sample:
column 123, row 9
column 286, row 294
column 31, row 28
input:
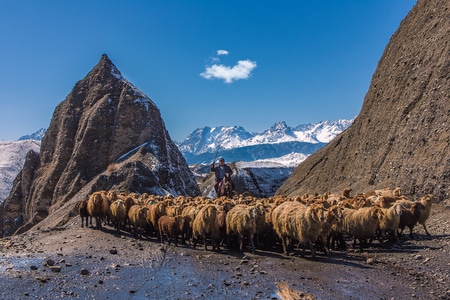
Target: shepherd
column 221, row 171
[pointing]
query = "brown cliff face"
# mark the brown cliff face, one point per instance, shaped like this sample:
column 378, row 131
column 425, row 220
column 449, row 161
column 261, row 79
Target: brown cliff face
column 103, row 118
column 402, row 135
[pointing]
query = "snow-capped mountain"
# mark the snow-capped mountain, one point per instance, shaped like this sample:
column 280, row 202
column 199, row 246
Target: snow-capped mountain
column 38, row 135
column 12, row 158
column 237, row 144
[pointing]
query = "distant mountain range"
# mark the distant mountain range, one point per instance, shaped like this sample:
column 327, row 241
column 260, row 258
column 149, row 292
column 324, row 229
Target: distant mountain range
column 38, row 135
column 280, row 146
column 236, row 144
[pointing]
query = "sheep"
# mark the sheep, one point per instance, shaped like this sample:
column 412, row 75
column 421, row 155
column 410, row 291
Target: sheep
column 382, row 201
column 264, row 234
column 390, row 221
column 299, row 222
column 129, row 202
column 391, row 193
column 334, row 216
column 118, row 213
column 83, row 212
column 206, row 225
column 173, row 210
column 278, row 219
column 309, row 222
column 155, row 211
column 362, row 223
column 106, row 203
column 189, row 212
column 410, row 217
column 95, row 208
column 425, row 213
column 346, row 193
column 359, row 201
column 171, row 227
column 241, row 221
column 222, row 209
column 137, row 216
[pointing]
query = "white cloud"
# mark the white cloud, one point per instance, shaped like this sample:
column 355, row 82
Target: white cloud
column 241, row 70
column 222, row 52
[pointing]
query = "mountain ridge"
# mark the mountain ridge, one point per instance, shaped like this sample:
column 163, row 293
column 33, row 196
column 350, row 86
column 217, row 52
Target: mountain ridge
column 237, row 144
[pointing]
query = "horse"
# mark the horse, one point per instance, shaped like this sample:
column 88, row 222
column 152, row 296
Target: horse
column 225, row 187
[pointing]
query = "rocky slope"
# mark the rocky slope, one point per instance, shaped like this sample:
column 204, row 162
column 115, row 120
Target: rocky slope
column 105, row 134
column 402, row 135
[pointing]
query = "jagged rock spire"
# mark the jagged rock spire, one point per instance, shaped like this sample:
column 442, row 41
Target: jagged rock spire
column 104, row 123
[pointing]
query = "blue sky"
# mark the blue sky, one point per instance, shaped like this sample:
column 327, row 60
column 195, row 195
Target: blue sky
column 203, row 63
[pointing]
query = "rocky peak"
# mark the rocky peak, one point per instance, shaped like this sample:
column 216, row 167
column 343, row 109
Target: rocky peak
column 105, row 134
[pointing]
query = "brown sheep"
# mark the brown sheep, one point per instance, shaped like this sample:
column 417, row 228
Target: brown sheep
column 83, row 212
column 362, row 223
column 278, row 218
column 106, row 203
column 310, row 222
column 334, row 216
column 95, row 208
column 297, row 222
column 360, row 200
column 222, row 209
column 264, row 232
column 346, row 193
column 382, row 201
column 171, row 227
column 174, row 210
column 118, row 213
column 155, row 211
column 390, row 221
column 425, row 214
column 410, row 217
column 426, row 201
column 241, row 221
column 137, row 216
column 205, row 226
column 188, row 213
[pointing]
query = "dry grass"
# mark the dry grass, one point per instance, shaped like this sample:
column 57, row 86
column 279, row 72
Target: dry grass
column 287, row 293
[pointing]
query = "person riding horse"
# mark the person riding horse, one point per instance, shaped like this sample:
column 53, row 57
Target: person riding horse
column 221, row 171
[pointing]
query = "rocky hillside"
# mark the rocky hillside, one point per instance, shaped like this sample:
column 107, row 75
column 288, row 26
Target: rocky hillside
column 402, row 135
column 105, row 134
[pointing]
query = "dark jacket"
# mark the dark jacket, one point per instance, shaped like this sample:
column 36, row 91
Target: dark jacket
column 216, row 170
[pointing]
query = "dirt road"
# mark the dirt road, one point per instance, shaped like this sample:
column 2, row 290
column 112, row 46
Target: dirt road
column 85, row 263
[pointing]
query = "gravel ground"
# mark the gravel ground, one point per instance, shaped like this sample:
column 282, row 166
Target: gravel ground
column 85, row 263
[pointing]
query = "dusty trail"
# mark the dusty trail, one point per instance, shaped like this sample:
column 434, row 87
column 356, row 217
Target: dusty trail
column 121, row 267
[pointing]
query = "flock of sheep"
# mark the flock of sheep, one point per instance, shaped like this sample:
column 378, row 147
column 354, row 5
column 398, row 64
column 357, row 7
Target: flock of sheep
column 318, row 222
